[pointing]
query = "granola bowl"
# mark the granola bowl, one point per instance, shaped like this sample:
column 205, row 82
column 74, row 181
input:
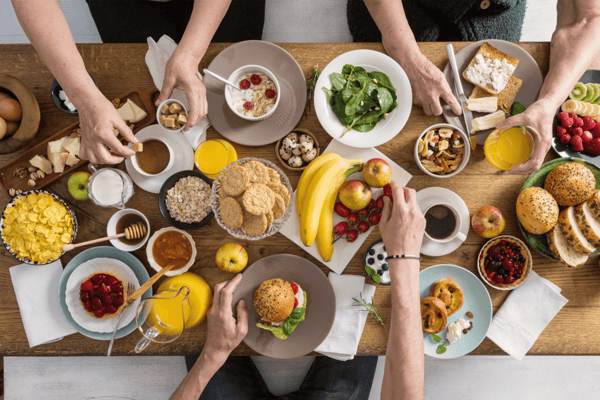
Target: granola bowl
column 179, row 213
column 440, row 153
column 257, row 91
column 283, row 185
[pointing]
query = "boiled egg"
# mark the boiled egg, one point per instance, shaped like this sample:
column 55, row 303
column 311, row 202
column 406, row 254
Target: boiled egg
column 10, row 110
column 12, row 127
column 3, row 128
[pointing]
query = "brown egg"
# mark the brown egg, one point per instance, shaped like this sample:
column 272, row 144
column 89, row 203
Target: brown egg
column 12, row 127
column 4, row 95
column 10, row 110
column 3, row 128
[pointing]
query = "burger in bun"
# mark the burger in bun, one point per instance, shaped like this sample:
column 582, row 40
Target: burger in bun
column 281, row 305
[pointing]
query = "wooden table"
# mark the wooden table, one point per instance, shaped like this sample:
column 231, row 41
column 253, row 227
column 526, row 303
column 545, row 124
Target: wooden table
column 119, row 68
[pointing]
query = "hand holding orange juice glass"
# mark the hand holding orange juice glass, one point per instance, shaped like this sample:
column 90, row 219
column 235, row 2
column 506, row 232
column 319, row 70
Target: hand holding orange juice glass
column 505, row 148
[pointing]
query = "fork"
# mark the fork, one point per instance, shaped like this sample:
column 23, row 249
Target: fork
column 130, row 290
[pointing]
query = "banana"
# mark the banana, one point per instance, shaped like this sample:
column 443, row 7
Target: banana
column 323, row 183
column 307, row 176
column 325, row 232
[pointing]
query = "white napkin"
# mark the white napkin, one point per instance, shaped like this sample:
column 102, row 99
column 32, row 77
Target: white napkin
column 342, row 342
column 36, row 288
column 156, row 59
column 525, row 314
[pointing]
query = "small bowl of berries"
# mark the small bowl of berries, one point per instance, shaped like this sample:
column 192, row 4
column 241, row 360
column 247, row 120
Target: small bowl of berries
column 258, row 96
column 576, row 134
column 504, row 262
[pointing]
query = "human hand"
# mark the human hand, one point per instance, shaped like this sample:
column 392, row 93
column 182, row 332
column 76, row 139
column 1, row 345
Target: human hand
column 429, row 85
column 538, row 120
column 224, row 332
column 182, row 73
column 97, row 119
column 402, row 225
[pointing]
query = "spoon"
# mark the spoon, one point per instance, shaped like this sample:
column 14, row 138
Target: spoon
column 225, row 81
column 134, row 231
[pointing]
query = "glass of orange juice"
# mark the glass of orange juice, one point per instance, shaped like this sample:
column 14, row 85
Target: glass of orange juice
column 212, row 156
column 507, row 147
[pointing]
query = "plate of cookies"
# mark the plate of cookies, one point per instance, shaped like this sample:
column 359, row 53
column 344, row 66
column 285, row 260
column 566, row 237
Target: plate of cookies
column 251, row 199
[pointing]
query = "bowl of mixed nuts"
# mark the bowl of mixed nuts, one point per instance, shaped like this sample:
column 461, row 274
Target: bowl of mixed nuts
column 442, row 150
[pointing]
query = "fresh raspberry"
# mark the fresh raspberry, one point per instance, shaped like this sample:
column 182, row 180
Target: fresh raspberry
column 96, row 303
column 565, row 139
column 111, row 309
column 577, row 122
column 573, row 115
column 85, row 296
column 270, row 93
column 107, row 300
column 103, row 290
column 560, row 130
column 86, row 286
column 248, row 105
column 244, row 84
column 565, row 119
column 576, row 143
column 588, row 123
column 116, row 287
column 570, row 131
column 562, row 115
column 255, row 79
column 88, row 305
column 109, row 280
column 295, row 303
column 118, row 301
column 99, row 313
column 577, row 131
column 586, row 137
column 93, row 293
column 595, row 131
column 294, row 287
column 593, row 146
column 97, row 279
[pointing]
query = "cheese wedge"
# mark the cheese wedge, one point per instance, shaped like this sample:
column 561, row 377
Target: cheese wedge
column 71, row 160
column 126, row 112
column 56, row 146
column 59, row 160
column 561, row 249
column 138, row 113
column 482, row 104
column 42, row 163
column 570, row 230
column 488, row 121
column 72, row 145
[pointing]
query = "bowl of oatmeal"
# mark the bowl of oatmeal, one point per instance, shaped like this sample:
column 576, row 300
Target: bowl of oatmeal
column 259, row 96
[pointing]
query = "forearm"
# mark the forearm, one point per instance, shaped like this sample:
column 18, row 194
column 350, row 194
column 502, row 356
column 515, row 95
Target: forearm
column 55, row 45
column 196, row 380
column 404, row 375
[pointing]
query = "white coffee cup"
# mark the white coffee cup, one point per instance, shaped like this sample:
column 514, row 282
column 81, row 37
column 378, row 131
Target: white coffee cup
column 169, row 165
column 456, row 233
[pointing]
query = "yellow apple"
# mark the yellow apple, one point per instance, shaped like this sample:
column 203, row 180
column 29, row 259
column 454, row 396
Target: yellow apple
column 231, row 258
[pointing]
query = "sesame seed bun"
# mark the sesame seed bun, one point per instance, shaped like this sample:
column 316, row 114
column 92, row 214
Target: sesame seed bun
column 274, row 300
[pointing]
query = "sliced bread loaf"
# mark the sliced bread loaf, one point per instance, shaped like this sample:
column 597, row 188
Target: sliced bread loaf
column 562, row 251
column 594, row 203
column 588, row 224
column 570, row 229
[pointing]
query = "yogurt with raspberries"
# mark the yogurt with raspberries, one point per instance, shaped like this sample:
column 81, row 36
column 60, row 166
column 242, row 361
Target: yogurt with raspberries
column 258, row 95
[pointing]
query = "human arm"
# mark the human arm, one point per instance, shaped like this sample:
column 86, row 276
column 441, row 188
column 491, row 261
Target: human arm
column 224, row 335
column 427, row 81
column 56, row 47
column 182, row 68
column 574, row 47
column 402, row 231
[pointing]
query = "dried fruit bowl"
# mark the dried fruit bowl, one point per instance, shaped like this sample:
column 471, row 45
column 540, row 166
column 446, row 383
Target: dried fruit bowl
column 465, row 156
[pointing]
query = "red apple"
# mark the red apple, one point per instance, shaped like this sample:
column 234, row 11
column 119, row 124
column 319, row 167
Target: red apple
column 488, row 222
column 355, row 195
column 377, row 172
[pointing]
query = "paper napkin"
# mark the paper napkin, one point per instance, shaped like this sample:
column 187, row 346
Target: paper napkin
column 342, row 341
column 156, row 59
column 36, row 288
column 525, row 314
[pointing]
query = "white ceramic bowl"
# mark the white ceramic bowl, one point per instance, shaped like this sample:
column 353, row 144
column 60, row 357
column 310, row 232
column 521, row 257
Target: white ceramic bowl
column 157, row 267
column 169, row 102
column 249, row 69
column 466, row 155
column 111, row 229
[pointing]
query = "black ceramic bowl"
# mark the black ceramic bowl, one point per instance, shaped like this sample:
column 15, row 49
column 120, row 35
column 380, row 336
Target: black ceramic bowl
column 162, row 205
column 55, row 88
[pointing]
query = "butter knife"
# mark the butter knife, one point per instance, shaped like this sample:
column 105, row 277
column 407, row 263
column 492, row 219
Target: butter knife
column 467, row 115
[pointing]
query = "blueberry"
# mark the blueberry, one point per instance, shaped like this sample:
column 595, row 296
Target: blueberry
column 501, row 271
column 380, row 257
column 504, row 276
column 379, row 272
column 518, row 248
column 371, row 261
column 521, row 259
column 516, row 276
column 372, row 252
column 385, row 267
column 502, row 252
column 515, row 258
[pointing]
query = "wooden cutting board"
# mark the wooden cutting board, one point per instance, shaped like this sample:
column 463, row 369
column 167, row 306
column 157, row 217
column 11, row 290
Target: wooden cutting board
column 7, row 176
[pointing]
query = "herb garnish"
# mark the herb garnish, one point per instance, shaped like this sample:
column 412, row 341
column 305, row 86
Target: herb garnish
column 373, row 274
column 373, row 311
column 313, row 82
column 441, row 349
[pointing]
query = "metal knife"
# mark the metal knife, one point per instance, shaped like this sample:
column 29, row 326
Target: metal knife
column 467, row 115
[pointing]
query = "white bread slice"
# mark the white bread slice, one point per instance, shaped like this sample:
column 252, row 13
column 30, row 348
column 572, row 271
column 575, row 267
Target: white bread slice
column 562, row 251
column 570, row 229
column 588, row 224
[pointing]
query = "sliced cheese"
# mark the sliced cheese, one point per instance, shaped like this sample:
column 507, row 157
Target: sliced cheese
column 71, row 160
column 488, row 121
column 59, row 160
column 42, row 163
column 482, row 104
column 72, row 145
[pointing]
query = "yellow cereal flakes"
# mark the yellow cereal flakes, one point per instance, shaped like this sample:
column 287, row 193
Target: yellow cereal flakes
column 37, row 226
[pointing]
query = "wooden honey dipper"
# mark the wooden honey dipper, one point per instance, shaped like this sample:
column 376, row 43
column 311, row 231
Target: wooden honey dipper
column 135, row 231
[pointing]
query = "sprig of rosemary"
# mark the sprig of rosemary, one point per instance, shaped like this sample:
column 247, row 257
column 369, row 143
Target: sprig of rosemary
column 441, row 349
column 373, row 311
column 313, row 82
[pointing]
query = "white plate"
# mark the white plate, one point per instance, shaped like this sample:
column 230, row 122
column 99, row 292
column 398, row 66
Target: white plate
column 342, row 250
column 86, row 321
column 184, row 158
column 528, row 70
column 386, row 129
column 433, row 195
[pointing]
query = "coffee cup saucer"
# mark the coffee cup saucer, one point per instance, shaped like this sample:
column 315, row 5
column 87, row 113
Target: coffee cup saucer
column 436, row 195
column 184, row 158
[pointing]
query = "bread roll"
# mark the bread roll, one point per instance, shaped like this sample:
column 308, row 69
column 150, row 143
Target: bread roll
column 570, row 184
column 537, row 210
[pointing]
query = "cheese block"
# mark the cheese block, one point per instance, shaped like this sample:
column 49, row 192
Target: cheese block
column 488, row 121
column 562, row 251
column 482, row 104
column 506, row 98
column 56, row 146
column 72, row 145
column 570, row 229
column 588, row 224
column 126, row 112
column 42, row 163
column 71, row 160
column 59, row 160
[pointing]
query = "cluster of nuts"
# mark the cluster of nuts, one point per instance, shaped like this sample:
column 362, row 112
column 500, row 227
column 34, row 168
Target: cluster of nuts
column 441, row 151
column 34, row 175
column 76, row 132
column 298, row 150
column 13, row 192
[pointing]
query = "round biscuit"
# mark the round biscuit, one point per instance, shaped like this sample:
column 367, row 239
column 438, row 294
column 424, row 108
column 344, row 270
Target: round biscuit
column 258, row 199
column 281, row 190
column 255, row 225
column 235, row 180
column 257, row 172
column 270, row 217
column 274, row 176
column 231, row 213
column 278, row 207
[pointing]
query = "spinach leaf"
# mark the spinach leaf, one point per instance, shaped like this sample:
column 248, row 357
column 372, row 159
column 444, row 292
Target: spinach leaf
column 349, row 89
column 337, row 81
column 382, row 79
column 339, row 108
column 353, row 106
column 369, row 102
column 369, row 87
column 384, row 97
column 364, row 128
column 372, row 274
column 330, row 94
column 371, row 117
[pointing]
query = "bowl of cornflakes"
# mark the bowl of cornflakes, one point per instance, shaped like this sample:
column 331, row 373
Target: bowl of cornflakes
column 35, row 225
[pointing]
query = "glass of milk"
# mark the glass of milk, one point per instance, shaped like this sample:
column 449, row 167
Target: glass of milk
column 109, row 187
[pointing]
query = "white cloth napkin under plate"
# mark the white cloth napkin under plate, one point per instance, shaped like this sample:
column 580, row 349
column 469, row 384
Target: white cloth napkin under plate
column 156, row 59
column 342, row 342
column 525, row 314
column 36, row 288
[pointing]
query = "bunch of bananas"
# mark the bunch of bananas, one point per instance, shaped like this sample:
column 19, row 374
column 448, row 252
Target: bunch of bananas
column 316, row 195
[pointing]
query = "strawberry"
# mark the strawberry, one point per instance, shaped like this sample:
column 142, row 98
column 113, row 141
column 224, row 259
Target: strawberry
column 88, row 305
column 371, row 205
column 116, row 287
column 363, row 226
column 351, row 235
column 244, row 84
column 340, row 228
column 560, row 130
column 576, row 143
column 248, row 105
column 107, row 300
column 565, row 139
column 111, row 309
column 593, row 146
column 565, row 119
column 588, row 123
column 99, row 313
column 86, row 286
column 577, row 122
column 341, row 210
column 387, row 191
column 97, row 279
column 363, row 214
column 255, row 79
column 118, row 301
column 577, row 131
column 109, row 280
column 96, row 303
column 375, row 219
column 103, row 290
column 295, row 302
column 294, row 287
column 85, row 296
column 586, row 137
column 595, row 131
column 270, row 93
column 379, row 202
column 353, row 218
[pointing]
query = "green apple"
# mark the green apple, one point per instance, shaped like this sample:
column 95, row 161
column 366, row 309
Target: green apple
column 78, row 185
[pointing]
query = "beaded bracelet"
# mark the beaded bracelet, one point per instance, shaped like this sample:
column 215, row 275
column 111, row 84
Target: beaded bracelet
column 403, row 256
